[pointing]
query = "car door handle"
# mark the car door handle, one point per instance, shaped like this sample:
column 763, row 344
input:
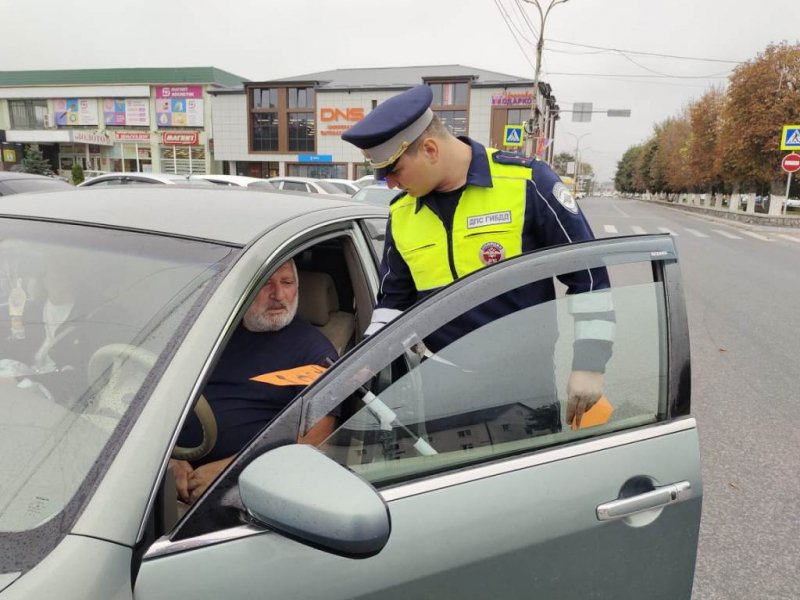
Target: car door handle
column 661, row 496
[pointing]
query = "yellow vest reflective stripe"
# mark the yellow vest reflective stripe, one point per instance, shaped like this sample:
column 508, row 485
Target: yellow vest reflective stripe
column 487, row 227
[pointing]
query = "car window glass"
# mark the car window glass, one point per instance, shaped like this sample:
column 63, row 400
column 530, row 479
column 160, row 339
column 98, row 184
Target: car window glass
column 375, row 230
column 93, row 312
column 295, row 186
column 329, row 188
column 137, row 181
column 105, row 182
column 501, row 388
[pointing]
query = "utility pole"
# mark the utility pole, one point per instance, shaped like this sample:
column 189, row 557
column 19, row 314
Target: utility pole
column 537, row 129
column 577, row 157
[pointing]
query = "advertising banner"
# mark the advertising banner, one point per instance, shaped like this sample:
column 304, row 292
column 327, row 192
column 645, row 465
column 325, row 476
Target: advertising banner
column 76, row 111
column 179, row 106
column 126, row 112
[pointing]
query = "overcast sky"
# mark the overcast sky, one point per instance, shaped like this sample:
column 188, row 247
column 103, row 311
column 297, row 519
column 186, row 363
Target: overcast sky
column 267, row 39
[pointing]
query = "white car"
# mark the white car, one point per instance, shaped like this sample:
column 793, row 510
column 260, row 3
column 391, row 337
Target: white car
column 365, row 181
column 144, row 179
column 306, row 184
column 346, row 185
column 238, row 181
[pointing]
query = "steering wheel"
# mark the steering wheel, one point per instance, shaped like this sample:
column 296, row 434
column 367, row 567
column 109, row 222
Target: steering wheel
column 208, row 423
column 121, row 384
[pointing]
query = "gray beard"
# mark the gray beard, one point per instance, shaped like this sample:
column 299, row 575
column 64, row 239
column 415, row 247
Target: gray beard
column 262, row 322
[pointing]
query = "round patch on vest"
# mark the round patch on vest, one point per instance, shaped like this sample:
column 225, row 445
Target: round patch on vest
column 492, row 252
column 565, row 198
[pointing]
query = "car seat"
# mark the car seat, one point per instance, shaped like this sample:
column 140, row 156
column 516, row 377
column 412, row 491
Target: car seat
column 319, row 304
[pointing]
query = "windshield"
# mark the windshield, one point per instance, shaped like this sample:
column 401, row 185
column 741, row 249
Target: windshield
column 329, row 187
column 376, row 195
column 86, row 315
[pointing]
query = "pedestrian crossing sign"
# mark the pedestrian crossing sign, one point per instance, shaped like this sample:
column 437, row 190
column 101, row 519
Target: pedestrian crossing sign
column 790, row 140
column 512, row 135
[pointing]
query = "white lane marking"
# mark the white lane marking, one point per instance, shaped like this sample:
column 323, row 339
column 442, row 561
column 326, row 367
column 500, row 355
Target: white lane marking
column 699, row 234
column 665, row 230
column 728, row 235
column 758, row 236
column 789, row 237
column 610, row 229
column 638, row 230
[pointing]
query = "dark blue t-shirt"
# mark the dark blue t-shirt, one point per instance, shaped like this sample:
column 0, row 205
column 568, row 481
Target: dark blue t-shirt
column 243, row 407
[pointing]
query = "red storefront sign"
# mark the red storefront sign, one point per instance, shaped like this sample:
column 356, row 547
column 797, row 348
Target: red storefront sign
column 180, row 138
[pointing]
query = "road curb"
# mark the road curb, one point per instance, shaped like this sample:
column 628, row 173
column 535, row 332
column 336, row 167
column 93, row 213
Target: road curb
column 724, row 215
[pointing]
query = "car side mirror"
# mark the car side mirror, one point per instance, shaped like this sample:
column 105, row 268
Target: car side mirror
column 301, row 493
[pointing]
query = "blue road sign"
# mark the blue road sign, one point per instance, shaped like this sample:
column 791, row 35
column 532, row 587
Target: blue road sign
column 512, row 135
column 790, row 140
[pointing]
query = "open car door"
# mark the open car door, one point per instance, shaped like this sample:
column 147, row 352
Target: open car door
column 487, row 491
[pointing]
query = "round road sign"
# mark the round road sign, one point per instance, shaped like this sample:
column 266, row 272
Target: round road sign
column 791, row 163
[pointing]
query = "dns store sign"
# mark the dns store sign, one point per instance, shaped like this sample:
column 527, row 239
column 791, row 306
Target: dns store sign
column 335, row 121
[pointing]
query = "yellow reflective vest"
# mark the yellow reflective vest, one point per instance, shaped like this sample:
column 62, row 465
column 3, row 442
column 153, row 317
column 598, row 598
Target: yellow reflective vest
column 487, row 228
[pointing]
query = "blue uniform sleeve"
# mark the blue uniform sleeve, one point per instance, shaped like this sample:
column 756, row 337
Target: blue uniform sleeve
column 397, row 290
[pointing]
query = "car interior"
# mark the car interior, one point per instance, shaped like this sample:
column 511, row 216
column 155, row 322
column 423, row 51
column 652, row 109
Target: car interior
column 335, row 297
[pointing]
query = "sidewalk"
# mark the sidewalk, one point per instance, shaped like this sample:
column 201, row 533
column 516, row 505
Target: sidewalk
column 755, row 220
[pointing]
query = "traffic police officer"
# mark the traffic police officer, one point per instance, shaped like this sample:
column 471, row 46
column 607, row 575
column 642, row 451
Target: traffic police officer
column 465, row 207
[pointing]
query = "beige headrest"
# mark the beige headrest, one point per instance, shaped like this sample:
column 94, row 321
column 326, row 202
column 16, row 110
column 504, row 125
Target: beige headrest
column 318, row 298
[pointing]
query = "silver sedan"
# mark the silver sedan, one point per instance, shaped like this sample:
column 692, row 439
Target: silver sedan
column 438, row 481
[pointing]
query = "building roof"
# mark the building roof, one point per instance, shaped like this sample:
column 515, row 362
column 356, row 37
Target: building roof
column 141, row 76
column 404, row 77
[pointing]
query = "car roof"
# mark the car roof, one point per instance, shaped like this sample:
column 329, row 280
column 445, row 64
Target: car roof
column 20, row 175
column 165, row 177
column 224, row 214
column 291, row 178
column 240, row 179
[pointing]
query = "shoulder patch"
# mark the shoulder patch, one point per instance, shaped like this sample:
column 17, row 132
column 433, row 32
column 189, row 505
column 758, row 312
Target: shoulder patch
column 513, row 158
column 565, row 198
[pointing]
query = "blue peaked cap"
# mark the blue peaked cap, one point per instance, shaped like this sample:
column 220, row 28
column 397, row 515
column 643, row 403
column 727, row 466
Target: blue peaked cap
column 391, row 127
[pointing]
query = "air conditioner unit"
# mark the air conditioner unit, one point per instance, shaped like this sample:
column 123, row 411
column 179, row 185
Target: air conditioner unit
column 48, row 120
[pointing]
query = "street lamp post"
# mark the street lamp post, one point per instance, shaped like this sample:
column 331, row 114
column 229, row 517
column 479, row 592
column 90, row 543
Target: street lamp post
column 577, row 156
column 539, row 48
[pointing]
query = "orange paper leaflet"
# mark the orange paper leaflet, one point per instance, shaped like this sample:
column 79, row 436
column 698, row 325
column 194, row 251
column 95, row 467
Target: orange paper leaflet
column 303, row 375
column 597, row 415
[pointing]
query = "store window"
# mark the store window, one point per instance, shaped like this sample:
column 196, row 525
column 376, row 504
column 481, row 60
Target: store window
column 183, row 160
column 27, row 114
column 317, row 171
column 282, row 119
column 451, row 104
column 257, row 169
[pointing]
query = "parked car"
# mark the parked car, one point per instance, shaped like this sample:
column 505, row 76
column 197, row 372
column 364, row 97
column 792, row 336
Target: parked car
column 238, row 181
column 365, row 180
column 436, row 482
column 344, row 185
column 115, row 179
column 378, row 194
column 306, row 184
column 14, row 182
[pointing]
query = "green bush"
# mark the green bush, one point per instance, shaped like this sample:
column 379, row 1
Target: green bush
column 77, row 173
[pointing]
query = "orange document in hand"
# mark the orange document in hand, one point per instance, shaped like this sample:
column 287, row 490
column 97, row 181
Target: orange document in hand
column 597, row 415
column 303, row 375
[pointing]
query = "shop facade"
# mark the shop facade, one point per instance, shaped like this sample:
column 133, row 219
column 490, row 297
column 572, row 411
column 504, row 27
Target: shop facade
column 106, row 120
column 293, row 126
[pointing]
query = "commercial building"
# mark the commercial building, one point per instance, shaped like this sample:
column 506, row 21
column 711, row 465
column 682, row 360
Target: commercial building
column 112, row 119
column 293, row 126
